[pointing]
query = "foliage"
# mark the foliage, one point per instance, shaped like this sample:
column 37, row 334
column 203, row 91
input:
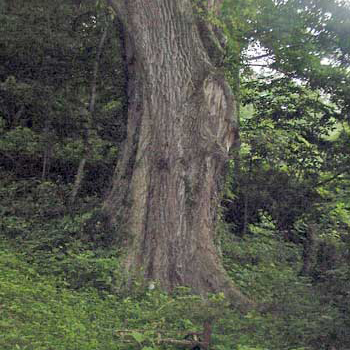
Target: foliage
column 49, row 51
column 38, row 315
column 61, row 283
column 84, row 299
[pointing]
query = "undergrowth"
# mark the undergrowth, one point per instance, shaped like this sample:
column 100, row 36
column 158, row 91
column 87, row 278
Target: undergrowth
column 62, row 287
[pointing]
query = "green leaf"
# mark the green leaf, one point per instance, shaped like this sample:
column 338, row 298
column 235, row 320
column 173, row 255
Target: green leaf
column 139, row 337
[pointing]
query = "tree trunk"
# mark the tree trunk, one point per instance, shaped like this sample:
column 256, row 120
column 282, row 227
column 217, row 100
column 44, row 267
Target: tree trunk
column 47, row 151
column 308, row 250
column 89, row 119
column 181, row 124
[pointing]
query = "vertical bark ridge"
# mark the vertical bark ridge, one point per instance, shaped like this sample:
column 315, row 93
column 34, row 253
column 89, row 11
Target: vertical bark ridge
column 180, row 127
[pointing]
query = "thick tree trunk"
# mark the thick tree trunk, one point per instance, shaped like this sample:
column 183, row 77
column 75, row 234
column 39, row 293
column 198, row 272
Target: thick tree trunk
column 167, row 185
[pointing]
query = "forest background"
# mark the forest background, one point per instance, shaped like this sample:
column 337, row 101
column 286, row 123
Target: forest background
column 284, row 228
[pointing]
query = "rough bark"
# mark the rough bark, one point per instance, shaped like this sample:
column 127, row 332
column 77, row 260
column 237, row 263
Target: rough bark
column 181, row 124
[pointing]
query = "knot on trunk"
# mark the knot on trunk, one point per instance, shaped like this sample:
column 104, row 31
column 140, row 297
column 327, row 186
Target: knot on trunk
column 219, row 125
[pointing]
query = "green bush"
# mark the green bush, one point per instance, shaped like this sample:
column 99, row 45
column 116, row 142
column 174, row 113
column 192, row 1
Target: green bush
column 36, row 315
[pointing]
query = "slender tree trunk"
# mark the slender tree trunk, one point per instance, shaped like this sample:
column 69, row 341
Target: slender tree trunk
column 46, row 161
column 89, row 115
column 246, row 198
column 308, row 250
column 81, row 168
column 47, row 151
column 181, row 124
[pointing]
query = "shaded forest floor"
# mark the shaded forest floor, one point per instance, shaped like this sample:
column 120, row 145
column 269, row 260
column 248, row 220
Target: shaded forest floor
column 61, row 286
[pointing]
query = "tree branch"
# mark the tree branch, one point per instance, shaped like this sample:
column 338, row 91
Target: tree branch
column 324, row 182
column 258, row 65
column 215, row 6
column 188, row 343
column 259, row 57
column 119, row 7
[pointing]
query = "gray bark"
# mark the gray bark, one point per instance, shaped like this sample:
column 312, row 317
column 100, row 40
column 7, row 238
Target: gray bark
column 181, row 125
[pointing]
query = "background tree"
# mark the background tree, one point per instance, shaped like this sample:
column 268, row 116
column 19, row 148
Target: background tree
column 295, row 39
column 49, row 51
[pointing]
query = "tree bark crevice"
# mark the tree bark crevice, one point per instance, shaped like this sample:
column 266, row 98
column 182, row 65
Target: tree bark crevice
column 180, row 129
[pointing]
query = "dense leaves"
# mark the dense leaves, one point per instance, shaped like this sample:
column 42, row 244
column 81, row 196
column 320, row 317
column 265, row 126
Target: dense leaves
column 286, row 212
column 47, row 60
